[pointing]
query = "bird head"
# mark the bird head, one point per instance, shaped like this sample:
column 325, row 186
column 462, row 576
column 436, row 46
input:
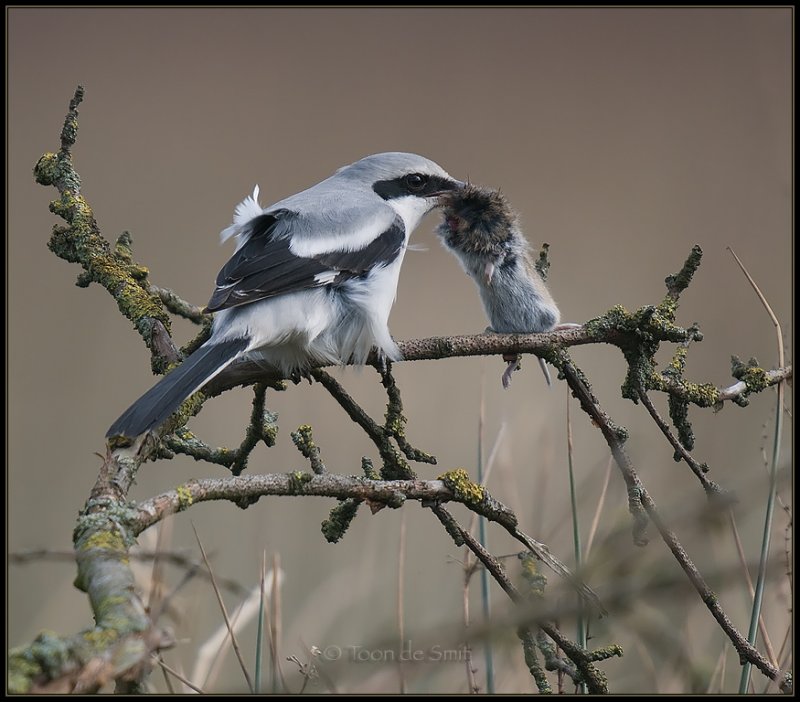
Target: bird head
column 412, row 185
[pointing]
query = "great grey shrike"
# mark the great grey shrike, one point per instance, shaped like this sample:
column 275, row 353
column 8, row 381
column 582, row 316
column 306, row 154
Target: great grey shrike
column 312, row 280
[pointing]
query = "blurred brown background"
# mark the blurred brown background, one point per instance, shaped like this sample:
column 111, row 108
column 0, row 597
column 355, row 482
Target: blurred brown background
column 623, row 136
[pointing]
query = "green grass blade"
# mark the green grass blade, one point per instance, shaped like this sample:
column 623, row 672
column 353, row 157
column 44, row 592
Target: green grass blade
column 744, row 681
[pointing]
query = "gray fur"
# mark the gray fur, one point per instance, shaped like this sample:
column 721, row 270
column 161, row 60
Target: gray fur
column 483, row 232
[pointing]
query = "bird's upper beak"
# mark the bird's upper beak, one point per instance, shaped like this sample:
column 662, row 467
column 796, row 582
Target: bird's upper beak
column 447, row 187
column 456, row 185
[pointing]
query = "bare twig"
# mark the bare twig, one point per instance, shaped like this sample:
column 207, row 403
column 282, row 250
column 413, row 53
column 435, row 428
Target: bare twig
column 177, row 675
column 699, row 469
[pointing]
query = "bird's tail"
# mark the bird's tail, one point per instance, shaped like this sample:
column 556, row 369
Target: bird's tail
column 160, row 401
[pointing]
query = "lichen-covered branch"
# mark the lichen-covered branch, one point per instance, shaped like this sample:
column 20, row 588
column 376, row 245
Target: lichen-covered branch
column 699, row 469
column 118, row 647
column 392, row 493
column 262, row 427
column 615, row 440
column 182, row 441
column 439, row 348
column 584, row 671
column 81, row 242
column 646, row 505
column 458, row 481
column 304, row 440
column 177, row 305
column 395, row 425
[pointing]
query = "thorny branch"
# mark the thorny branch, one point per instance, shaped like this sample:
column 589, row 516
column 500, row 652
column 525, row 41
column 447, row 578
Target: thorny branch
column 119, row 647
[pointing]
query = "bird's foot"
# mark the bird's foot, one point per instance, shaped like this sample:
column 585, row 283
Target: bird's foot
column 299, row 374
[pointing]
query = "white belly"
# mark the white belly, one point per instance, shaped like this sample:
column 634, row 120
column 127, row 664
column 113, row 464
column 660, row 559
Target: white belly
column 319, row 325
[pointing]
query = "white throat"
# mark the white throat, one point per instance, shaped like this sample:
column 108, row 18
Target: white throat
column 411, row 209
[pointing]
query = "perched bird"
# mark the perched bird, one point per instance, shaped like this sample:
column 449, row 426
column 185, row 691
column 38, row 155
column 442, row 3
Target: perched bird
column 313, row 278
column 482, row 231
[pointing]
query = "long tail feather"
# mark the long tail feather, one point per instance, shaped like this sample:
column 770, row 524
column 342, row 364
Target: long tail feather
column 160, row 401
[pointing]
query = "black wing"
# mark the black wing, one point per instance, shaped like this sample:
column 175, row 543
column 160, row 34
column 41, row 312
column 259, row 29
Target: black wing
column 265, row 266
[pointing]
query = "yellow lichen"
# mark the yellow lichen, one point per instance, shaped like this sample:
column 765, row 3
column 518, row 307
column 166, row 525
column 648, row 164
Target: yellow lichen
column 463, row 488
column 45, row 168
column 100, row 638
column 109, row 540
column 298, row 479
column 185, row 497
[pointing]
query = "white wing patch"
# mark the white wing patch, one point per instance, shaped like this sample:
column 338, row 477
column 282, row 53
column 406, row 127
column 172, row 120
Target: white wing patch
column 326, row 277
column 246, row 210
column 346, row 234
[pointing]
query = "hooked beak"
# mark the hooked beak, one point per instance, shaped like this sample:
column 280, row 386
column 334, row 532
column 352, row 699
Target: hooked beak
column 447, row 188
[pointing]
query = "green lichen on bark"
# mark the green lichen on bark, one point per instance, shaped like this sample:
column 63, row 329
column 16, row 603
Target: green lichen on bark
column 532, row 661
column 606, row 652
column 298, row 480
column 54, row 664
column 185, row 442
column 535, row 580
column 678, row 282
column 368, row 469
column 102, row 539
column 81, row 241
column 341, row 516
column 542, row 263
column 641, row 521
column 647, row 325
column 46, row 657
column 643, row 332
column 752, row 375
column 263, row 426
column 679, row 414
column 395, row 425
column 339, row 520
column 450, row 525
column 303, row 439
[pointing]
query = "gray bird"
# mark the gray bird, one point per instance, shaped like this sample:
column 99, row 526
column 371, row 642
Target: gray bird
column 312, row 280
column 482, row 231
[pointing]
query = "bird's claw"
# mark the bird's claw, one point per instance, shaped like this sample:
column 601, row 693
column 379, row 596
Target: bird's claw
column 298, row 375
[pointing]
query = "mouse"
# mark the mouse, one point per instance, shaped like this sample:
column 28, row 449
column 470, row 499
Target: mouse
column 483, row 232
